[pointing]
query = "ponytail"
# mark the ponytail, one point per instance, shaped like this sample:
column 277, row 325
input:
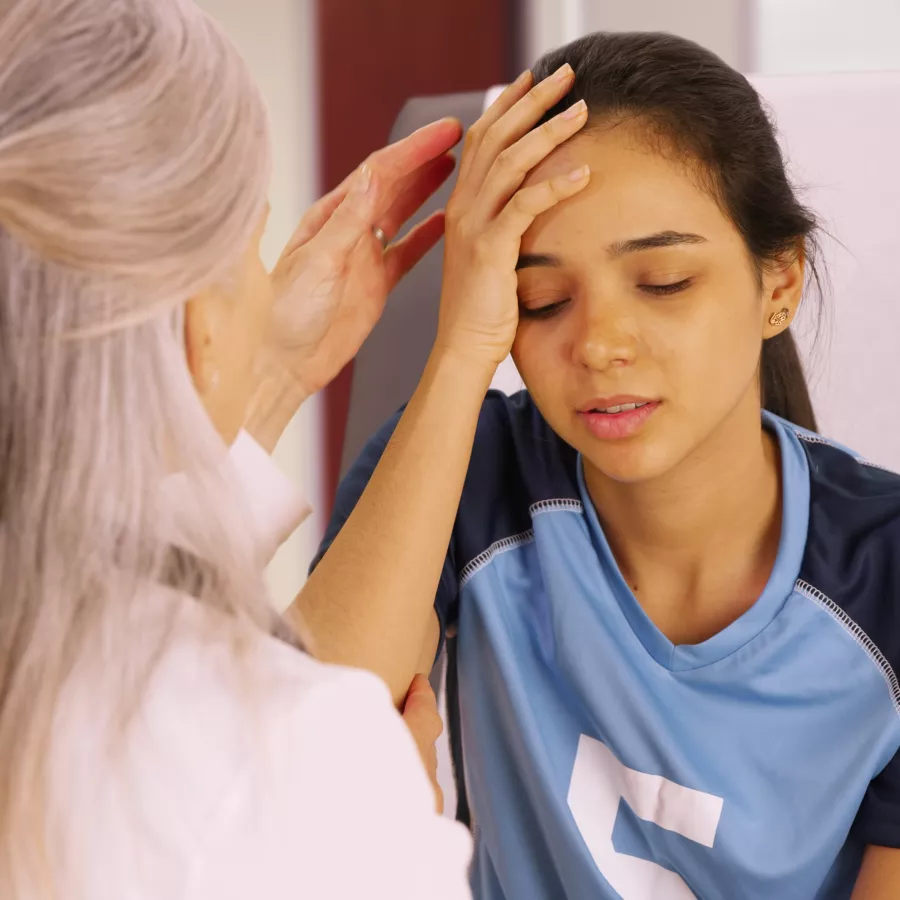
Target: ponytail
column 783, row 382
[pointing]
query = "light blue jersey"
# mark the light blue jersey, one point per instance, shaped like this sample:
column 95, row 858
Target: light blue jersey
column 602, row 761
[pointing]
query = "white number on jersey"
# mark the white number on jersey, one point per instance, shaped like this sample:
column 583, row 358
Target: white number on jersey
column 599, row 781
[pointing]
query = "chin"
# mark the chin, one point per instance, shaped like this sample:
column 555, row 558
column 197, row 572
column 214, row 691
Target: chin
column 627, row 464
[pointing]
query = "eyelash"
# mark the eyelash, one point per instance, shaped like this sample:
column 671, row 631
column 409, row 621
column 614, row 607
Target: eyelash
column 662, row 290
column 542, row 312
column 658, row 290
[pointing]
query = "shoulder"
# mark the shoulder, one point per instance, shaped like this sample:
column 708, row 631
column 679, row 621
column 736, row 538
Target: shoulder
column 338, row 795
column 211, row 701
column 510, row 430
column 518, row 462
column 514, row 438
column 852, row 560
column 241, row 767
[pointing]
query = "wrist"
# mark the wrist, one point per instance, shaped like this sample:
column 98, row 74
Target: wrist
column 471, row 366
column 275, row 401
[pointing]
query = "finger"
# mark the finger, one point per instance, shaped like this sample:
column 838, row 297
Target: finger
column 394, row 163
column 531, row 202
column 505, row 102
column 425, row 726
column 516, row 123
column 317, row 215
column 420, row 691
column 403, row 255
column 416, row 189
column 413, row 191
column 421, row 715
column 512, row 166
column 354, row 217
column 393, row 166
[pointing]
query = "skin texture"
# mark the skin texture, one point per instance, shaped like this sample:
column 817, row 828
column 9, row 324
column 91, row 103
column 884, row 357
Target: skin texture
column 681, row 325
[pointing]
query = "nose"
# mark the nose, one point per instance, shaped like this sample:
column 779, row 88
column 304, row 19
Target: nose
column 605, row 336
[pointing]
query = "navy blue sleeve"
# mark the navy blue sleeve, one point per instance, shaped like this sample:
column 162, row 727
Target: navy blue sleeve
column 348, row 494
column 853, row 557
column 878, row 821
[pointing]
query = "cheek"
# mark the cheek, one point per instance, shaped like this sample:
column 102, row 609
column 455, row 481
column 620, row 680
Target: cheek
column 539, row 355
column 714, row 351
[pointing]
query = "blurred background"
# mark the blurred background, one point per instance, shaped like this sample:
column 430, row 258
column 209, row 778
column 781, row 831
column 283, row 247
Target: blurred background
column 336, row 74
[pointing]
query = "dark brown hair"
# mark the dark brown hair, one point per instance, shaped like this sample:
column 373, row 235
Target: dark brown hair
column 701, row 108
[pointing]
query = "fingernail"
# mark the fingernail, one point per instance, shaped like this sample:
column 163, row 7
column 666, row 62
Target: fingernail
column 564, row 72
column 364, row 179
column 576, row 110
column 523, row 78
column 580, row 173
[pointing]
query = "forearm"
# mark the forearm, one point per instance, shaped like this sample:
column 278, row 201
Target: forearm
column 879, row 876
column 369, row 602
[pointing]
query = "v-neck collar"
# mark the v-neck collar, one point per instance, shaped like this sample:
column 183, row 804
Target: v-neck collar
column 794, row 527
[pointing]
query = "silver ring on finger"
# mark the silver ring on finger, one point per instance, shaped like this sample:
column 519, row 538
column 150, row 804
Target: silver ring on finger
column 381, row 237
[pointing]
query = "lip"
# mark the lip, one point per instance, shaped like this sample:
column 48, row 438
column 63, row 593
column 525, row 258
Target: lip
column 616, row 426
column 615, row 400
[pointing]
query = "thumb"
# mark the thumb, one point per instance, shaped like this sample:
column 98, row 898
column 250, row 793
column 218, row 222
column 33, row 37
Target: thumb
column 354, row 217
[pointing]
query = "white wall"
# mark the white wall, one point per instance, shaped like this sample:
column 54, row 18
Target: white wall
column 771, row 36
column 717, row 24
column 827, row 35
column 277, row 38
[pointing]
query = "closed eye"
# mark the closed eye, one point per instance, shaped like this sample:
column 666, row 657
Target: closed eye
column 542, row 312
column 663, row 289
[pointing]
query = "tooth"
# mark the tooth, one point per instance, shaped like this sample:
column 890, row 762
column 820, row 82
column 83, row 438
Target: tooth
column 613, row 409
column 627, row 407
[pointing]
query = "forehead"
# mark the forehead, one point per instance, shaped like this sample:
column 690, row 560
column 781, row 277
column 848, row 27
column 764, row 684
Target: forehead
column 634, row 191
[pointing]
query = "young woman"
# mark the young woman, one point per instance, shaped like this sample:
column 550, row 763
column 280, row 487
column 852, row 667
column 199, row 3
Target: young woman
column 161, row 734
column 676, row 604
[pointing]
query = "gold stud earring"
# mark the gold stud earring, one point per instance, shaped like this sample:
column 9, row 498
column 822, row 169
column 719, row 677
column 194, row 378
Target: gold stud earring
column 780, row 317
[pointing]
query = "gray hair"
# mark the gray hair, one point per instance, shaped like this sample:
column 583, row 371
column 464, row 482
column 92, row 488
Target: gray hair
column 134, row 161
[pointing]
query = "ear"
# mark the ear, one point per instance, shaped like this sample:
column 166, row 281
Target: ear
column 782, row 293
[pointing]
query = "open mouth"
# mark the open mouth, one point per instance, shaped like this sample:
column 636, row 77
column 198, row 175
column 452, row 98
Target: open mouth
column 608, row 420
column 622, row 407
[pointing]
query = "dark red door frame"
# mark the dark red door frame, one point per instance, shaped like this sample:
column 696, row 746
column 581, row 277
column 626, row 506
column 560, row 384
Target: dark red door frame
column 372, row 56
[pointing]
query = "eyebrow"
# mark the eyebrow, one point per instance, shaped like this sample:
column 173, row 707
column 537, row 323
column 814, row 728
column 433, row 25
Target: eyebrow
column 654, row 242
column 620, row 248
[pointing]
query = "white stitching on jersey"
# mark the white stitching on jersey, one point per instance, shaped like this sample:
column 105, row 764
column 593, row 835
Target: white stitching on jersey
column 817, row 439
column 487, row 556
column 812, row 438
column 545, row 506
column 857, row 634
column 517, row 540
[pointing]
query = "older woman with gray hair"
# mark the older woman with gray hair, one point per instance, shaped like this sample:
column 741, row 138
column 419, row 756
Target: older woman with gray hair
column 162, row 734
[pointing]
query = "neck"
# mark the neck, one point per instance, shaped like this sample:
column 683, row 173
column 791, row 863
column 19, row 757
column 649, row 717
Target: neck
column 686, row 540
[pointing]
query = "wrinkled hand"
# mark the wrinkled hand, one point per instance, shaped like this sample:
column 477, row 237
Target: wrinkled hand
column 420, row 712
column 334, row 276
